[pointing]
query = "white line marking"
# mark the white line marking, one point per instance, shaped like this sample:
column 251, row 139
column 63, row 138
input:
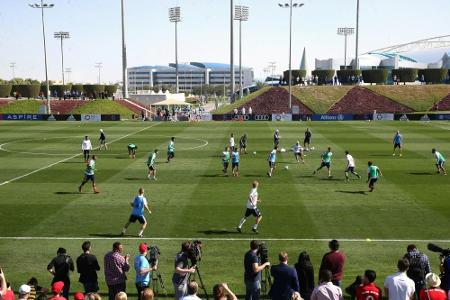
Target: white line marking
column 73, row 156
column 221, row 239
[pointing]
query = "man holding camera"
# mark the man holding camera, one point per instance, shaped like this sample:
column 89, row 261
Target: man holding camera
column 60, row 268
column 143, row 269
column 115, row 267
column 252, row 274
column 180, row 277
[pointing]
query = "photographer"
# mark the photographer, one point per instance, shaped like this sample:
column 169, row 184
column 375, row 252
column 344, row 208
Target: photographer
column 445, row 271
column 180, row 277
column 252, row 274
column 60, row 268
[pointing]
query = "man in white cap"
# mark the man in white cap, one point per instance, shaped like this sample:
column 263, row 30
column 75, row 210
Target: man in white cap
column 24, row 292
column 102, row 141
column 432, row 291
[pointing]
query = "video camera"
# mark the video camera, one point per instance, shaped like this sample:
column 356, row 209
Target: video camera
column 153, row 254
column 263, row 252
column 434, row 248
column 195, row 252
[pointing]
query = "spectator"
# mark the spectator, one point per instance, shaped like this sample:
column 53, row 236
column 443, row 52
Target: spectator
column 285, row 283
column 305, row 274
column 368, row 290
column 147, row 294
column 243, row 110
column 334, row 261
column 252, row 274
column 60, row 268
column 432, row 290
column 121, row 296
column 24, row 292
column 445, row 269
column 250, row 111
column 57, row 289
column 326, row 290
column 351, row 289
column 180, row 277
column 192, row 290
column 35, row 288
column 115, row 267
column 221, row 291
column 93, row 296
column 419, row 266
column 87, row 266
column 398, row 286
column 142, row 268
column 9, row 294
column 78, row 296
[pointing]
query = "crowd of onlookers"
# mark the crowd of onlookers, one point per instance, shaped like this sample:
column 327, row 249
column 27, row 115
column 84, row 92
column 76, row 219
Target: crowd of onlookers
column 413, row 281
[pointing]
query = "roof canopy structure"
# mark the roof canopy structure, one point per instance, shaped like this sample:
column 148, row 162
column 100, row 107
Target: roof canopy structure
column 169, row 102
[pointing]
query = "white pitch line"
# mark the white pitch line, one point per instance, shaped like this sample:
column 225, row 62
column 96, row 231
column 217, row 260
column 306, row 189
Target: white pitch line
column 222, row 239
column 71, row 157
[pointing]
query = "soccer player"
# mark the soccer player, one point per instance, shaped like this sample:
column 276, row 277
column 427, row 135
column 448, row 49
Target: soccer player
column 326, row 162
column 226, row 160
column 372, row 175
column 243, row 144
column 398, row 143
column 132, row 150
column 252, row 208
column 272, row 160
column 276, row 138
column 298, row 152
column 171, row 149
column 102, row 141
column 151, row 163
column 232, row 143
column 139, row 204
column 235, row 162
column 86, row 146
column 440, row 161
column 89, row 174
column 350, row 166
column 307, row 139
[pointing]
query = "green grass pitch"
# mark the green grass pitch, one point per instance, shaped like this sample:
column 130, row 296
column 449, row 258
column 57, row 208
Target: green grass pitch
column 192, row 200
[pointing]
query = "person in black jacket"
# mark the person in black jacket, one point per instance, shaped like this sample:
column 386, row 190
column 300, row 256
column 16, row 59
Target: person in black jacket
column 285, row 283
column 305, row 273
column 87, row 266
column 60, row 268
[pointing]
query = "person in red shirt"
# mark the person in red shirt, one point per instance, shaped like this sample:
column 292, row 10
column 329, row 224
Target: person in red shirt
column 9, row 295
column 432, row 292
column 57, row 289
column 334, row 261
column 368, row 290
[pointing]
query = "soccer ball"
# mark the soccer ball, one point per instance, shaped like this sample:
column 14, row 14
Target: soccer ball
column 254, row 152
column 283, row 150
column 312, row 148
column 286, row 167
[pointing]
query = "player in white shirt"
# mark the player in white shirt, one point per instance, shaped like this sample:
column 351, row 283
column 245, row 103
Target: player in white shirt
column 252, row 208
column 232, row 143
column 350, row 166
column 298, row 152
column 86, row 146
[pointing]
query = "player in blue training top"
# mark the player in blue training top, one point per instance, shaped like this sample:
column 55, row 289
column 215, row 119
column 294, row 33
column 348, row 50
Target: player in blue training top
column 139, row 204
column 272, row 160
column 398, row 143
column 235, row 162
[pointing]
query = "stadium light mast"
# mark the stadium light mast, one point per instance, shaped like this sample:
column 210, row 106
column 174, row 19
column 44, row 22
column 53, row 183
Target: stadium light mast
column 99, row 66
column 42, row 6
column 232, row 81
column 357, row 36
column 175, row 17
column 241, row 15
column 13, row 69
column 345, row 31
column 68, row 71
column 61, row 35
column 124, row 55
column 290, row 5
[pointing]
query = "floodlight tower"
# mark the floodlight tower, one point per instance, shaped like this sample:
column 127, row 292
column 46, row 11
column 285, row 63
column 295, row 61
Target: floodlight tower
column 175, row 17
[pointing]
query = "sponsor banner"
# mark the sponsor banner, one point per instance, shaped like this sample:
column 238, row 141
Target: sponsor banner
column 202, row 117
column 281, row 117
column 442, row 117
column 110, row 117
column 91, row 118
column 261, row 117
column 22, row 117
column 365, row 117
column 295, row 109
column 383, row 117
column 333, row 117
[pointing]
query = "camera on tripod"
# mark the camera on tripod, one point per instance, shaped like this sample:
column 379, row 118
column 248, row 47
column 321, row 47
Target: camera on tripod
column 153, row 254
column 195, row 252
column 435, row 248
column 263, row 252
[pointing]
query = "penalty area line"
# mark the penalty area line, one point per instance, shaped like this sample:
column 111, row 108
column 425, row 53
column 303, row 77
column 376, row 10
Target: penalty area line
column 45, row 238
column 73, row 156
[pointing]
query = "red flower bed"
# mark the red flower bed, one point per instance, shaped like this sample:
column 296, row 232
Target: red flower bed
column 444, row 104
column 132, row 107
column 361, row 101
column 64, row 107
column 4, row 102
column 274, row 101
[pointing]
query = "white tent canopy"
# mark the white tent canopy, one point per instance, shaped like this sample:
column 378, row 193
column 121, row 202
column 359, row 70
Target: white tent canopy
column 168, row 102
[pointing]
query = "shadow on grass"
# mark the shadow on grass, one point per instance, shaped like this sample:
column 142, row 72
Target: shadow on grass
column 135, row 178
column 110, row 235
column 306, row 176
column 213, row 175
column 353, row 192
column 71, row 193
column 381, row 155
column 72, row 162
column 331, row 179
column 218, row 231
column 421, row 173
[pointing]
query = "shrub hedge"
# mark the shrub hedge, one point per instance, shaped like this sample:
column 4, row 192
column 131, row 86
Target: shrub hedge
column 110, row 90
column 297, row 76
column 60, row 89
column 433, row 75
column 5, row 90
column 345, row 76
column 405, row 75
column 91, row 90
column 324, row 76
column 375, row 76
column 27, row 90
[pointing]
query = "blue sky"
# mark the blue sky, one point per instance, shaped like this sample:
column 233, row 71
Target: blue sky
column 95, row 31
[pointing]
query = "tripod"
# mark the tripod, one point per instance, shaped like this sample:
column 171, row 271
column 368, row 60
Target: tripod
column 201, row 285
column 155, row 280
column 266, row 280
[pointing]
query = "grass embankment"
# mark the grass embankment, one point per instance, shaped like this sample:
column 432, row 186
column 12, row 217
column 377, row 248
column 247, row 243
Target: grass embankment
column 320, row 98
column 227, row 108
column 21, row 107
column 104, row 107
column 418, row 97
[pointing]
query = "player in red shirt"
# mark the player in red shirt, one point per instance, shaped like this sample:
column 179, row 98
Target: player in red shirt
column 432, row 292
column 368, row 290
